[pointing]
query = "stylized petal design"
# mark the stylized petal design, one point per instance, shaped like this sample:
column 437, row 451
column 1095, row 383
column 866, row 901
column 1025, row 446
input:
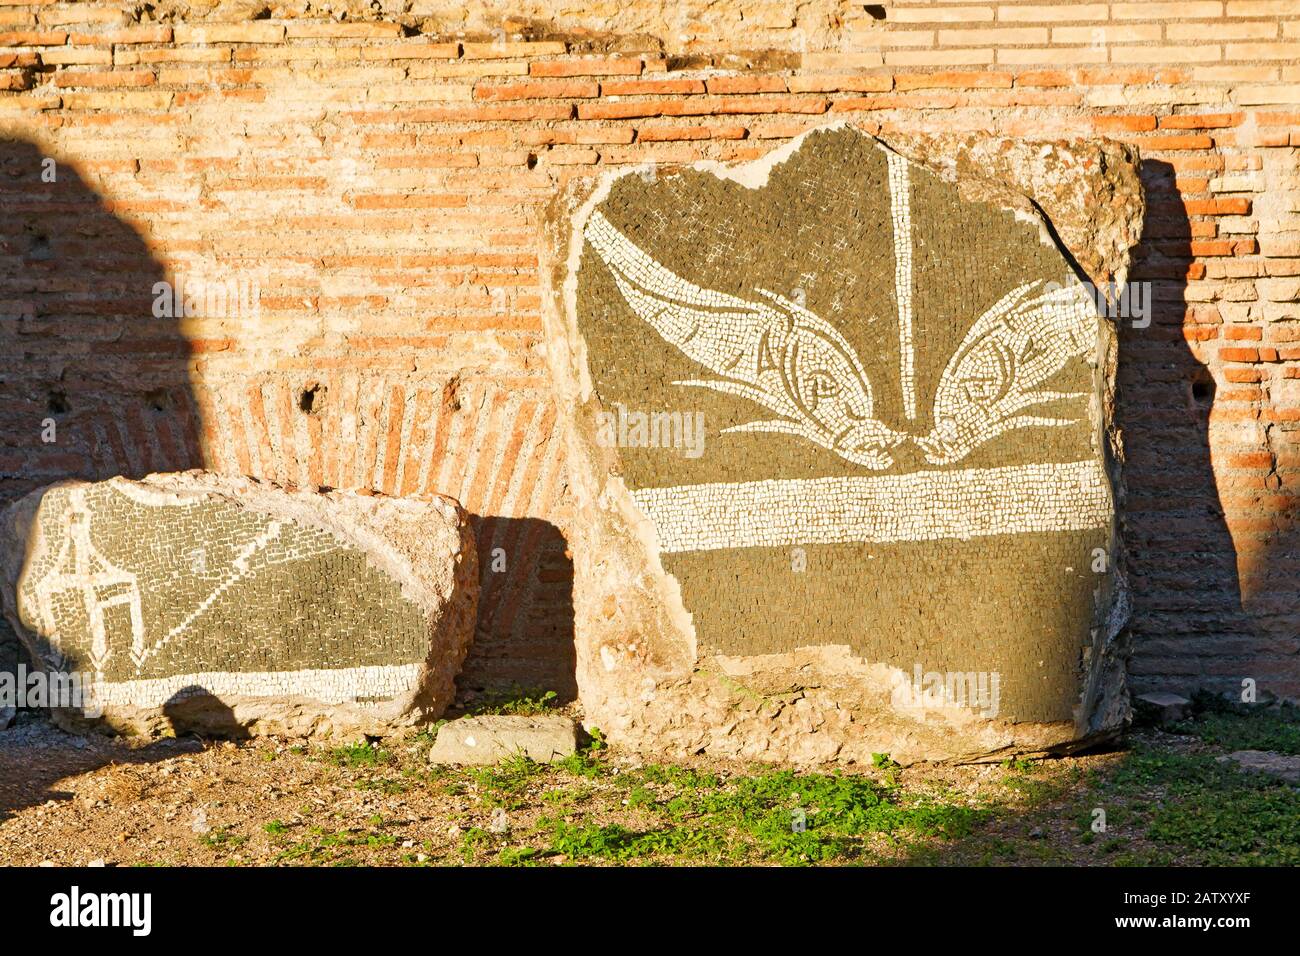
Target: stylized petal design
column 772, row 352
column 1014, row 347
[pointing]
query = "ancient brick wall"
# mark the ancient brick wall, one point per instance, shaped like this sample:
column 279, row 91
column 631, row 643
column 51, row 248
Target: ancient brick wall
column 364, row 188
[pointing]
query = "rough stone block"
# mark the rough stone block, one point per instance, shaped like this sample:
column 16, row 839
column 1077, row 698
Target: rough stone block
column 488, row 740
column 1282, row 766
column 844, row 466
column 1163, row 709
column 192, row 601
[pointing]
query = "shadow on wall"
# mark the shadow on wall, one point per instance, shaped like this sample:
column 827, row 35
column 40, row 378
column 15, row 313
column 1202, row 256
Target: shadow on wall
column 1190, row 629
column 194, row 708
column 93, row 384
column 524, row 638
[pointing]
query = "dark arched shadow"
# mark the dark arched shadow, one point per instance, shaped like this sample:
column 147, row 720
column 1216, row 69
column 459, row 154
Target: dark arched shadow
column 195, row 709
column 1188, row 626
column 524, row 637
column 92, row 383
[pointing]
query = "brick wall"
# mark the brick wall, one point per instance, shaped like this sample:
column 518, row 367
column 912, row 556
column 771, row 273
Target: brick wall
column 381, row 177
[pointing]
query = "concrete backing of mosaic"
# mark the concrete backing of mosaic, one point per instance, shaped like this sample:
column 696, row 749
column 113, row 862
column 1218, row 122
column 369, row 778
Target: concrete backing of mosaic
column 244, row 608
column 727, row 652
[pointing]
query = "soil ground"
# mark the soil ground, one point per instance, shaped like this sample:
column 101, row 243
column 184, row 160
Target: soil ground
column 1160, row 798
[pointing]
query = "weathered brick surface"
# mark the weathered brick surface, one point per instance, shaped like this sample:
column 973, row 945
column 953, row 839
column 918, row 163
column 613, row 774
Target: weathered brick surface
column 381, row 182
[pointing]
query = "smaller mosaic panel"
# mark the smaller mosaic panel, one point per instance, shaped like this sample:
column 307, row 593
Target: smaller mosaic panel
column 160, row 599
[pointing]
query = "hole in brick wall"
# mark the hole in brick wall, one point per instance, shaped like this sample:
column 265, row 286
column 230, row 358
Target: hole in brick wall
column 531, row 162
column 875, row 10
column 39, row 246
column 311, row 399
column 159, row 399
column 57, row 402
column 1200, row 390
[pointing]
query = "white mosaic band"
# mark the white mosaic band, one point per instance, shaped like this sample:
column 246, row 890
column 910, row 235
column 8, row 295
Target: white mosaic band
column 900, row 210
column 920, row 506
column 348, row 685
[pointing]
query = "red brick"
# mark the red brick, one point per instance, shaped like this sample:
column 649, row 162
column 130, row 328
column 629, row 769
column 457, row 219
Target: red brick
column 846, row 83
column 1201, row 120
column 1123, row 124
column 407, row 201
column 746, row 84
column 620, row 110
column 1214, row 247
column 1046, row 78
column 34, row 38
column 1243, row 375
column 1243, row 333
column 729, row 105
column 662, row 134
column 648, row 87
column 952, row 80
column 587, row 67
column 1217, row 207
column 537, row 90
column 69, row 78
column 1163, row 143
column 1257, row 459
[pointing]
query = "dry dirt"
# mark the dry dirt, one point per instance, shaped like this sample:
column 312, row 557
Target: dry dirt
column 68, row 800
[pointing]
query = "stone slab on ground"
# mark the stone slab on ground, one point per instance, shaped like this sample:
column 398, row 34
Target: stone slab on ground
column 193, row 601
column 1162, row 708
column 844, row 463
column 491, row 739
column 1282, row 766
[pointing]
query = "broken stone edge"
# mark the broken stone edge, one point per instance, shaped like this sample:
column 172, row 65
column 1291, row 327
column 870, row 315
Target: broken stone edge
column 432, row 573
column 839, row 709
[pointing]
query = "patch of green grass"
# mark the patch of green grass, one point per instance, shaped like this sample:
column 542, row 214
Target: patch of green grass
column 586, row 762
column 683, row 778
column 521, row 856
column 505, row 783
column 517, row 702
column 1035, row 791
column 474, row 840
column 1020, row 765
column 390, row 786
column 223, row 838
column 566, row 797
column 775, row 816
column 335, row 848
column 359, row 755
column 1245, row 726
column 275, row 828
column 1200, row 811
column 618, row 843
column 582, row 765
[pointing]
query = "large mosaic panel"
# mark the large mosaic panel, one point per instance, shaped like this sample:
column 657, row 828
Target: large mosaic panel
column 193, row 599
column 848, row 407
